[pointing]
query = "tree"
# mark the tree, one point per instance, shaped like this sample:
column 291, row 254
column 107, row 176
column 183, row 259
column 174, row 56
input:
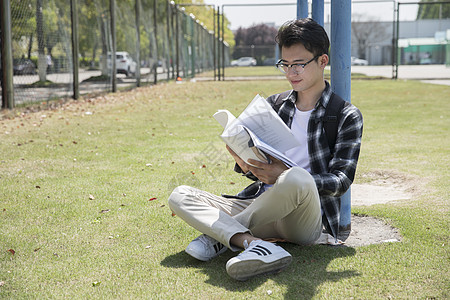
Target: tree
column 433, row 11
column 366, row 31
column 257, row 41
column 205, row 15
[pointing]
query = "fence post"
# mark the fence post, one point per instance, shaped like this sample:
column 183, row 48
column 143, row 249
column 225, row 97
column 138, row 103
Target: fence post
column 137, row 6
column 214, row 42
column 112, row 9
column 6, row 57
column 155, row 26
column 169, row 39
column 223, row 44
column 74, row 21
column 341, row 80
column 218, row 43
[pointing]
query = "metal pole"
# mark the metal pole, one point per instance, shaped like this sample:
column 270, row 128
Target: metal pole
column 318, row 11
column 155, row 26
column 218, row 42
column 74, row 19
column 137, row 10
column 192, row 43
column 223, row 45
column 214, row 43
column 168, row 64
column 6, row 51
column 396, row 41
column 173, row 11
column 341, row 30
column 112, row 9
column 177, row 36
column 302, row 9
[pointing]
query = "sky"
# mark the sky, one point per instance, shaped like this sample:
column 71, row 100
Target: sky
column 246, row 16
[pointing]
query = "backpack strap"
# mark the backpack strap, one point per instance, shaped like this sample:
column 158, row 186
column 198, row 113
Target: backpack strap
column 331, row 119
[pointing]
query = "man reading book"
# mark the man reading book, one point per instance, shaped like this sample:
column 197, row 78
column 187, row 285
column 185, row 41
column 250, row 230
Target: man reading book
column 293, row 204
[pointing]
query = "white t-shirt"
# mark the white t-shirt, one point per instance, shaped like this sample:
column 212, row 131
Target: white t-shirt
column 299, row 128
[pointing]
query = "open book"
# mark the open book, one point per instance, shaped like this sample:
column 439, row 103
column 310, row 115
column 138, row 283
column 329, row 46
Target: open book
column 257, row 131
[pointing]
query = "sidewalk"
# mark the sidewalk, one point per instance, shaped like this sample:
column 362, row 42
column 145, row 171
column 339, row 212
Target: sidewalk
column 437, row 74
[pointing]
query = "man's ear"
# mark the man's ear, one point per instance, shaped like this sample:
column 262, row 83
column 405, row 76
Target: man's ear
column 323, row 60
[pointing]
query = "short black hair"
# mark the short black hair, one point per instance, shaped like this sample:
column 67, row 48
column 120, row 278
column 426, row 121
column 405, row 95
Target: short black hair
column 306, row 32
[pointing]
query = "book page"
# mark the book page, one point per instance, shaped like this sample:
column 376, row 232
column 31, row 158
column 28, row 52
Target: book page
column 264, row 122
column 238, row 139
column 224, row 117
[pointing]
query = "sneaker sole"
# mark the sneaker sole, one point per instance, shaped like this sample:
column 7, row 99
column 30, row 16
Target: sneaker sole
column 244, row 269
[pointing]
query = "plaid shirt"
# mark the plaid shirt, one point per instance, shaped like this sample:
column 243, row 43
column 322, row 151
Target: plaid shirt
column 332, row 172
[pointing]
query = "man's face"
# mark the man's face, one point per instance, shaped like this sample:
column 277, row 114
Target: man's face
column 311, row 75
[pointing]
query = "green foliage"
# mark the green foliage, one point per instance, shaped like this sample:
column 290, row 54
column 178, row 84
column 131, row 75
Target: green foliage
column 204, row 13
column 428, row 10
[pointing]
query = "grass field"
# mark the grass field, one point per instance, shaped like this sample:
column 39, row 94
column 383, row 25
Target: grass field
column 84, row 189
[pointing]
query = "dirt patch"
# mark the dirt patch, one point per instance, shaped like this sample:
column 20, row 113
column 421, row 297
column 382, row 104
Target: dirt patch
column 381, row 187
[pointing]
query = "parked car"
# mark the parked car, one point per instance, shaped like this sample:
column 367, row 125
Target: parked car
column 359, row 62
column 269, row 62
column 124, row 63
column 23, row 66
column 244, row 62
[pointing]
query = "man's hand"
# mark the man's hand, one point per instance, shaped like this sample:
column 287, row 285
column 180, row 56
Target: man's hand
column 267, row 173
column 244, row 166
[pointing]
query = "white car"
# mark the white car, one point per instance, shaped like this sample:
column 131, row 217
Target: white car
column 359, row 62
column 244, row 62
column 124, row 63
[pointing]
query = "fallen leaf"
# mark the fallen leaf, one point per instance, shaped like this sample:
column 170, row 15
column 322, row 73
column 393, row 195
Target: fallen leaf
column 151, row 199
column 38, row 187
column 104, row 211
column 37, row 249
column 231, row 182
column 162, row 205
column 192, row 172
column 11, row 251
column 173, row 215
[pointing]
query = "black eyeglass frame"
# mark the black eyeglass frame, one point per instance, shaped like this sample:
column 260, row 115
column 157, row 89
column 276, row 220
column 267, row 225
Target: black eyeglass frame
column 280, row 65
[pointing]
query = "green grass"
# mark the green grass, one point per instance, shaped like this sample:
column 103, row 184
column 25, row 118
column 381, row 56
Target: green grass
column 76, row 184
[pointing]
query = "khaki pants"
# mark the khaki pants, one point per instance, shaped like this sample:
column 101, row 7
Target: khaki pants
column 289, row 210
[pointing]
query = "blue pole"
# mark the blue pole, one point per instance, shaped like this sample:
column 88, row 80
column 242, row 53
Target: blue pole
column 341, row 30
column 302, row 9
column 318, row 11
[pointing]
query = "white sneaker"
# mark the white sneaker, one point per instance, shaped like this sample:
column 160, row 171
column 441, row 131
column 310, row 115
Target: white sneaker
column 260, row 257
column 205, row 248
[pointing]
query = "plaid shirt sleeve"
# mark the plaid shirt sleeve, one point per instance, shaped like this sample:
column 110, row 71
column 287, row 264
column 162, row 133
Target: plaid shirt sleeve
column 334, row 173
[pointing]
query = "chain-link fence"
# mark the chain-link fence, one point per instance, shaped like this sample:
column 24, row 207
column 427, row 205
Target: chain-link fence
column 152, row 40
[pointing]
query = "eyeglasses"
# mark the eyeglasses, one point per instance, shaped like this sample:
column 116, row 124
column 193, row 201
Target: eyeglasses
column 297, row 68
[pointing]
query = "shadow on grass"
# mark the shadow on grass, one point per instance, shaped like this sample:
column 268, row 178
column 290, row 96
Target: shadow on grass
column 307, row 271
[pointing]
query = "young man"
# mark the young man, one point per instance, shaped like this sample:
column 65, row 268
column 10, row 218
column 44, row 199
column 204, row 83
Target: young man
column 290, row 204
